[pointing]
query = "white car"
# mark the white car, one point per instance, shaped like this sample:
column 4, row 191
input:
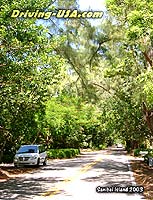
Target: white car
column 119, row 146
column 30, row 155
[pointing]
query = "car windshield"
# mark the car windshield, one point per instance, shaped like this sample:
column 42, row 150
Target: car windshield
column 27, row 149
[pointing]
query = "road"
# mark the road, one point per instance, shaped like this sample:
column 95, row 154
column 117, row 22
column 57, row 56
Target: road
column 75, row 179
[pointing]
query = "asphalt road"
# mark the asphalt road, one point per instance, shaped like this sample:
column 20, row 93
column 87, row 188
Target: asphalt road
column 77, row 179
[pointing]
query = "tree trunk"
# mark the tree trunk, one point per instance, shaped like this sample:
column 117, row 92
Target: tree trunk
column 148, row 117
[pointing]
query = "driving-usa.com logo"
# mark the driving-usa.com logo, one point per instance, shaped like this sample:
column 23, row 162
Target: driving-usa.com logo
column 61, row 13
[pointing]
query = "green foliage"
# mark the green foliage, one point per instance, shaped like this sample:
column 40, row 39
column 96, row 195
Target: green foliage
column 100, row 147
column 75, row 85
column 129, row 70
column 28, row 67
column 137, row 151
column 71, row 122
column 62, row 153
column 148, row 155
column 8, row 158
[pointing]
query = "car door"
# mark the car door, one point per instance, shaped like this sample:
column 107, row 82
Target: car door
column 42, row 153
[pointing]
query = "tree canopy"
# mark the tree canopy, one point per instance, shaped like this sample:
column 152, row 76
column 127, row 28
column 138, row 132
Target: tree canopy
column 69, row 83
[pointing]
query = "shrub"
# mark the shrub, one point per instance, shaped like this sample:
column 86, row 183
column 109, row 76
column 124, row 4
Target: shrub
column 137, row 152
column 102, row 146
column 148, row 155
column 68, row 153
column 62, row 153
column 8, row 158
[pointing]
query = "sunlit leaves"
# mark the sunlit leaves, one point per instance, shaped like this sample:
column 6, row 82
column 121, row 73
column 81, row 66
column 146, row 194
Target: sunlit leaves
column 70, row 121
column 29, row 66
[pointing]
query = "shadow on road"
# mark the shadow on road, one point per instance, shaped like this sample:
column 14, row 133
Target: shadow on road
column 112, row 173
column 77, row 162
column 22, row 189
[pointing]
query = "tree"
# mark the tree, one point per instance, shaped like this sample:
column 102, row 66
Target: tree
column 71, row 122
column 28, row 65
column 131, row 62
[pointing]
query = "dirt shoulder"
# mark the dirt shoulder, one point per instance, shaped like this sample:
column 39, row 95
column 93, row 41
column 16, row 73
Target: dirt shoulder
column 143, row 175
column 9, row 171
column 3, row 175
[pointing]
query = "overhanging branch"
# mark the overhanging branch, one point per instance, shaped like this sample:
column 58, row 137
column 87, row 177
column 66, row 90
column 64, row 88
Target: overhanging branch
column 96, row 84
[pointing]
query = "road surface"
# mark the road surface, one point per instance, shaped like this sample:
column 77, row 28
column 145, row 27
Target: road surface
column 77, row 179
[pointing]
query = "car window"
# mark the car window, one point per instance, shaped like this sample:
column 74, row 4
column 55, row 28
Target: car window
column 27, row 149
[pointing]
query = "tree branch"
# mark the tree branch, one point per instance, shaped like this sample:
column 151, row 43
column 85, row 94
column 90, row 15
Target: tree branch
column 98, row 48
column 102, row 87
column 147, row 58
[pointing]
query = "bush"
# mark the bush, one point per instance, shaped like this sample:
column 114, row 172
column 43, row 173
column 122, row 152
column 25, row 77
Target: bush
column 150, row 151
column 102, row 146
column 62, row 153
column 68, row 153
column 137, row 151
column 148, row 155
column 8, row 158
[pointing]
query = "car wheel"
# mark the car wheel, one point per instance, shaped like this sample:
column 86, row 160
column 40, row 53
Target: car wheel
column 38, row 162
column 45, row 162
column 15, row 165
